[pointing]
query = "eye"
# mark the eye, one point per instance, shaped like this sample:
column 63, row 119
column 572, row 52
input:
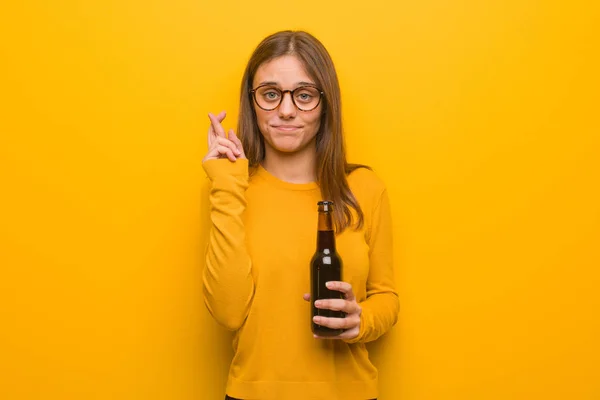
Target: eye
column 306, row 95
column 271, row 95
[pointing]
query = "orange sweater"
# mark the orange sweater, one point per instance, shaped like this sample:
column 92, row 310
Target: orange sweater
column 262, row 238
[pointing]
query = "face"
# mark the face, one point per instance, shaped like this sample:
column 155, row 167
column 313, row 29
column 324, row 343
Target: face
column 286, row 129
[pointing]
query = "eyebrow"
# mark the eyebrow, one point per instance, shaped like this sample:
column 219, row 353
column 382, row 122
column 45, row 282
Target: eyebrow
column 302, row 83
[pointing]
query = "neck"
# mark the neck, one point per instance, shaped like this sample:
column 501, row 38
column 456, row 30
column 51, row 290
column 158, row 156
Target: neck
column 296, row 167
column 325, row 241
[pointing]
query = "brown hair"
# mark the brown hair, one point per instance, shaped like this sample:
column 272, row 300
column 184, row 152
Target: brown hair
column 332, row 167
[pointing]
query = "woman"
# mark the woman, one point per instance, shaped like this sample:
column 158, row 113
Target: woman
column 264, row 193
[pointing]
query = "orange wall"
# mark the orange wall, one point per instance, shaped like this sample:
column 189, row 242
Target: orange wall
column 482, row 117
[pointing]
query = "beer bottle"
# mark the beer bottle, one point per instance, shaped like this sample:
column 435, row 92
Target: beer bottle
column 326, row 265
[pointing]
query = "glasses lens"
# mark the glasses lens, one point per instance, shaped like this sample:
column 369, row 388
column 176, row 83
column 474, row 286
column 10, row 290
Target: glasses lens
column 306, row 98
column 268, row 97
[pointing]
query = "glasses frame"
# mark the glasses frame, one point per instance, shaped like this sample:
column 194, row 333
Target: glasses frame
column 283, row 92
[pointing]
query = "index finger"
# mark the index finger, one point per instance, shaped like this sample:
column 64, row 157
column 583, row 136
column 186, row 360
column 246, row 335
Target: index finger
column 216, row 123
column 343, row 287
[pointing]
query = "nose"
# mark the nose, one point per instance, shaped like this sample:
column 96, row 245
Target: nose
column 287, row 109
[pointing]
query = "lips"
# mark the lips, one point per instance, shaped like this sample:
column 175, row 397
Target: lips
column 288, row 128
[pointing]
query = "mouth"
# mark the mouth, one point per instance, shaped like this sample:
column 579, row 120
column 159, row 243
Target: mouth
column 286, row 128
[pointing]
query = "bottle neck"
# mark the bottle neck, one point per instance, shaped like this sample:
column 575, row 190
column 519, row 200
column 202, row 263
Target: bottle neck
column 325, row 233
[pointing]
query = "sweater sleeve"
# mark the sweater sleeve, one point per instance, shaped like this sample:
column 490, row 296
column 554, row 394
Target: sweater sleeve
column 381, row 307
column 228, row 285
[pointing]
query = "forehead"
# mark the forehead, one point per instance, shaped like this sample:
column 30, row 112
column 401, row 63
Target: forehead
column 284, row 71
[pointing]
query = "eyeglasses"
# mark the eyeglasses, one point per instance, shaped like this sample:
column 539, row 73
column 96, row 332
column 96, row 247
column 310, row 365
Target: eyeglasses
column 305, row 98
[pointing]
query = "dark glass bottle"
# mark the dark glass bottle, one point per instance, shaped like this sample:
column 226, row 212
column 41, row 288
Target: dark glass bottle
column 326, row 265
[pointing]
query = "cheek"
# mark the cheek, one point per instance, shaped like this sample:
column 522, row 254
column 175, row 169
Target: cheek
column 262, row 118
column 314, row 122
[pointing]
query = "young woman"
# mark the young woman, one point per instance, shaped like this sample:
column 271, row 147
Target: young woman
column 265, row 187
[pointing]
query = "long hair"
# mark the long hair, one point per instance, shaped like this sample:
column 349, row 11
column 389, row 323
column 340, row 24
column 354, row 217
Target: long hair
column 332, row 167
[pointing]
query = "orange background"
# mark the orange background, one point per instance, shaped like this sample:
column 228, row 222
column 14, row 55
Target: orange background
column 482, row 118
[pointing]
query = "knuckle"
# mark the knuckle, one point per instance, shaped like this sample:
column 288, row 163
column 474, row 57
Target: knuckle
column 350, row 322
column 337, row 323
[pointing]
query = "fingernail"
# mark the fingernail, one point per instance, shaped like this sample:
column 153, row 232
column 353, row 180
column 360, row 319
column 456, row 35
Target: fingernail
column 329, row 284
column 317, row 319
column 318, row 303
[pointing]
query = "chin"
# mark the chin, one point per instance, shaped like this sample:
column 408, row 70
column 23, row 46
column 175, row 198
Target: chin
column 287, row 145
column 286, row 149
